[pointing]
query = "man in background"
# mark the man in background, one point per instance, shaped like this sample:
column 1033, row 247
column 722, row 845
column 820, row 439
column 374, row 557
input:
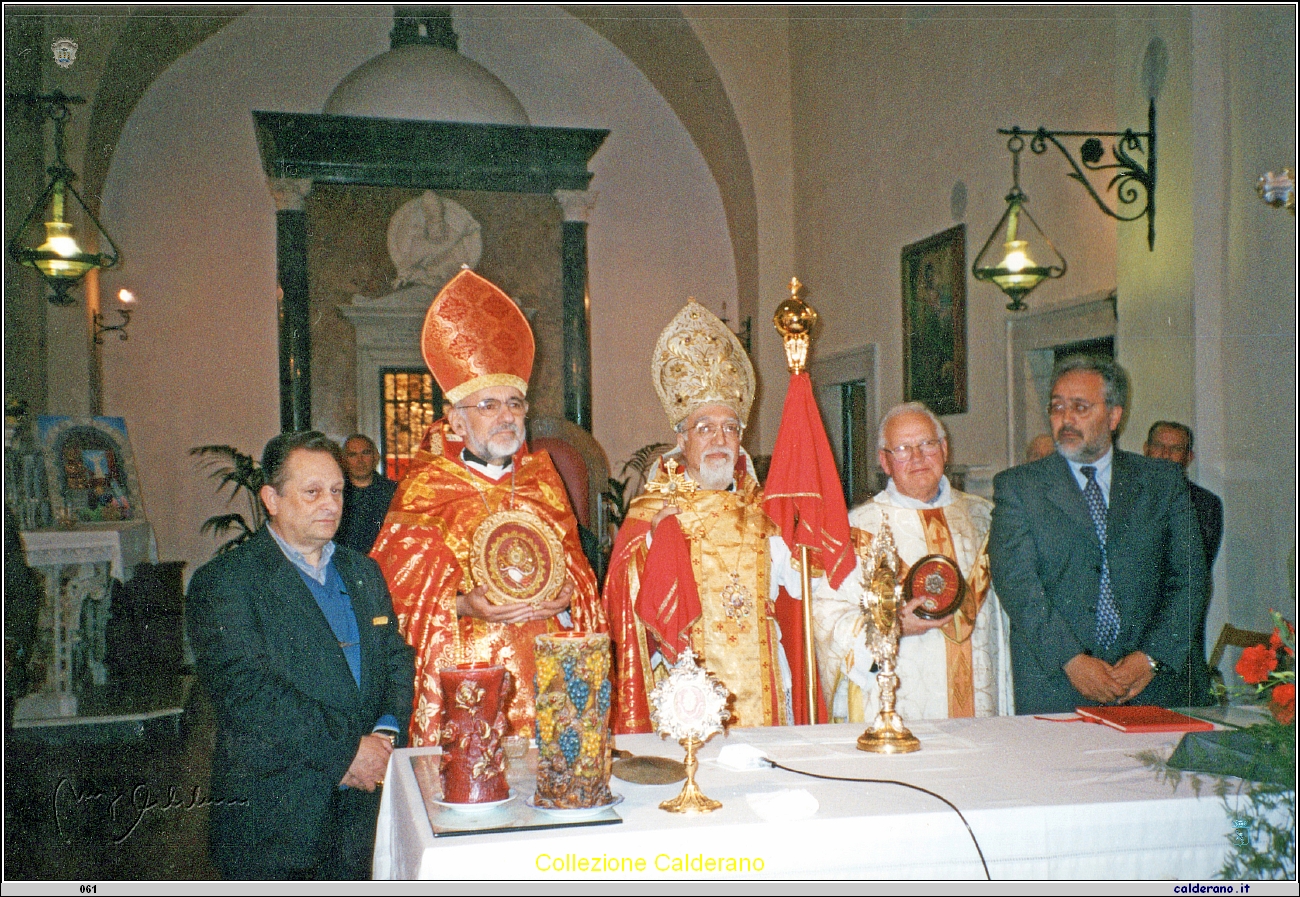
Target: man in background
column 1171, row 441
column 366, row 494
column 1040, row 446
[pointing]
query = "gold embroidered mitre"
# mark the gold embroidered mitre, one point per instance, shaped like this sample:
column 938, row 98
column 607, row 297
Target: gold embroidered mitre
column 698, row 361
column 475, row 337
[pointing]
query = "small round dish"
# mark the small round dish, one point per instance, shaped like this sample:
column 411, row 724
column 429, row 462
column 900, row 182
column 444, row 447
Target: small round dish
column 579, row 813
column 471, row 809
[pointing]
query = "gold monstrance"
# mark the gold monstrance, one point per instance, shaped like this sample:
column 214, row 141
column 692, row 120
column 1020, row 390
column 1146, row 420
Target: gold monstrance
column 691, row 706
column 882, row 599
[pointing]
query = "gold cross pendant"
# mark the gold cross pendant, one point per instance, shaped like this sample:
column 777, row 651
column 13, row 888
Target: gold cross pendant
column 678, row 487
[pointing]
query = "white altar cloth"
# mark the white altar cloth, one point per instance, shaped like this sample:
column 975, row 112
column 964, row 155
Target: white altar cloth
column 1046, row 800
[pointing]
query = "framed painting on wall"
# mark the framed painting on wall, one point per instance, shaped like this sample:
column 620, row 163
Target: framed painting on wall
column 90, row 469
column 934, row 321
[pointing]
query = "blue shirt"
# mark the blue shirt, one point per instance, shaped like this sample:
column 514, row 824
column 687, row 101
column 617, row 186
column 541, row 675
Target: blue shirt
column 326, row 586
column 1103, row 466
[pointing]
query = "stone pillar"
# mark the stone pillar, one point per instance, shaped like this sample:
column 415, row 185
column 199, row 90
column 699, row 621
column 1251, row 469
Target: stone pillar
column 290, row 195
column 577, row 206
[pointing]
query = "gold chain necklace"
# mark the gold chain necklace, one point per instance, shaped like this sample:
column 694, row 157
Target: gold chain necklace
column 735, row 598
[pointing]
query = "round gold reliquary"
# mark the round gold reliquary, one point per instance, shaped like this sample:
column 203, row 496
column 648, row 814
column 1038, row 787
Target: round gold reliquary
column 518, row 557
column 938, row 582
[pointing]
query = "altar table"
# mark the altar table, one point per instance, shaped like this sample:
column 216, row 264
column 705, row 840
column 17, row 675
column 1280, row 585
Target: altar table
column 1045, row 800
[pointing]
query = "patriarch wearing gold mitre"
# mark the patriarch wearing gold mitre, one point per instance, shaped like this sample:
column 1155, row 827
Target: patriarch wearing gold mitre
column 697, row 561
column 480, row 546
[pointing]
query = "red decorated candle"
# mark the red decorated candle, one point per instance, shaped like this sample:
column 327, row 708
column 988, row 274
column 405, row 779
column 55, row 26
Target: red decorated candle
column 474, row 701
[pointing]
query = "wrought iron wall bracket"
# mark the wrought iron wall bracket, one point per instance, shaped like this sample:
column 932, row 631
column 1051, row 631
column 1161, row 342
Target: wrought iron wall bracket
column 101, row 328
column 1133, row 183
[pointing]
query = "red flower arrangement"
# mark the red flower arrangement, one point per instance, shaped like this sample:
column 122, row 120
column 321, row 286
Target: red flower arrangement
column 1258, row 667
column 1256, row 663
column 1283, row 703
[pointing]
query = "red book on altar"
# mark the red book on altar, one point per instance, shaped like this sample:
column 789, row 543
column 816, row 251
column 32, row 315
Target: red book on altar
column 1128, row 718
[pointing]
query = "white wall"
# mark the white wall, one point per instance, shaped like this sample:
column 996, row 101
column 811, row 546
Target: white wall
column 893, row 108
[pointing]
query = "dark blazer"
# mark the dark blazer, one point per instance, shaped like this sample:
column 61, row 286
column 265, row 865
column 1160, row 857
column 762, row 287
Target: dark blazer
column 1209, row 514
column 1045, row 562
column 289, row 714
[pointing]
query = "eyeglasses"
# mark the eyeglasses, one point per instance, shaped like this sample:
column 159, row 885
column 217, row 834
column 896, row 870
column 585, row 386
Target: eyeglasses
column 492, row 407
column 1078, row 406
column 928, row 448
column 707, row 429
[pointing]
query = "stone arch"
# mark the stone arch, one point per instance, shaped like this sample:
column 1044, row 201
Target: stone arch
column 667, row 51
column 664, row 48
column 147, row 45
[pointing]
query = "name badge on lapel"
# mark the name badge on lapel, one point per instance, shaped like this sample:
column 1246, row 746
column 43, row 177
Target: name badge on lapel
column 379, row 621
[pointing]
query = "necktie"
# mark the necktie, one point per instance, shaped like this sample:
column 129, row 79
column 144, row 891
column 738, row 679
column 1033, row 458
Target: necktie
column 1107, row 610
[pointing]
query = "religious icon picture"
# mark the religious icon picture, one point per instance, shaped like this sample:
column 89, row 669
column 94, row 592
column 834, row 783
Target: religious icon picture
column 90, row 469
column 934, row 321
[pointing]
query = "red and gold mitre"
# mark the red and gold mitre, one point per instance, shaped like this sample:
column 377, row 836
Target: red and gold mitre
column 475, row 337
column 698, row 361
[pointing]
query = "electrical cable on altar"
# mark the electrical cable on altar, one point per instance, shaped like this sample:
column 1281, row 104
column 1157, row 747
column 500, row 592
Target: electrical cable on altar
column 969, row 830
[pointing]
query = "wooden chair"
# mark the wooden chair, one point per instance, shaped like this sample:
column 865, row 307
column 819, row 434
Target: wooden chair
column 1238, row 638
column 583, row 467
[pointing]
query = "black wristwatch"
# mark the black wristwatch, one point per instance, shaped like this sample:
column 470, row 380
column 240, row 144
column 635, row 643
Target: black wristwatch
column 1157, row 666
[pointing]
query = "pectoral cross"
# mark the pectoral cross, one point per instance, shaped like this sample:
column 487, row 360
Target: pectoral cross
column 677, row 486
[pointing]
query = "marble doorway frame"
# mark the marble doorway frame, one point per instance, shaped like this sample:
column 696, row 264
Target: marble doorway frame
column 1031, row 341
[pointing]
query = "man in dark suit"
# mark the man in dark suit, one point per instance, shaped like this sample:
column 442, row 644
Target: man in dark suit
column 1097, row 559
column 1171, row 441
column 367, row 493
column 312, row 683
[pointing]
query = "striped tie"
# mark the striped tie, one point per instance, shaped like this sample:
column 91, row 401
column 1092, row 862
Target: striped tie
column 1107, row 610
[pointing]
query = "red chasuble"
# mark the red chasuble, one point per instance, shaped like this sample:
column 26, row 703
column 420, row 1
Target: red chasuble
column 424, row 550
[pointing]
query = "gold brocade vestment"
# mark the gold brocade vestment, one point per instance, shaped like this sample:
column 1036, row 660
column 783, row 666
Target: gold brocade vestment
column 735, row 637
column 424, row 552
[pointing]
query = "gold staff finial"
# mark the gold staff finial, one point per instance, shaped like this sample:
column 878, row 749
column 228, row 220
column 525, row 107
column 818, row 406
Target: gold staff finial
column 794, row 320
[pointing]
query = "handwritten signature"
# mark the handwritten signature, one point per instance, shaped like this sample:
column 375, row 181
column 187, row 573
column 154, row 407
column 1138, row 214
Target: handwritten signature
column 126, row 807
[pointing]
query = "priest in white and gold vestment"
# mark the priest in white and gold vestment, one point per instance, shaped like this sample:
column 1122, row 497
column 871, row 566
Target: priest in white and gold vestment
column 952, row 667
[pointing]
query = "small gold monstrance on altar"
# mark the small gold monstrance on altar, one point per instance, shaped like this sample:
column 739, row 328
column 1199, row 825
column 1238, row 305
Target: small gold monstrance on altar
column 691, row 706
column 881, row 601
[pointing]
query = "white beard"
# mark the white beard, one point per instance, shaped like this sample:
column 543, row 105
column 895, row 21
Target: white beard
column 717, row 473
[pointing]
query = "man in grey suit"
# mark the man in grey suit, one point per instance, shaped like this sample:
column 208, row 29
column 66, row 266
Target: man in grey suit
column 311, row 681
column 1096, row 557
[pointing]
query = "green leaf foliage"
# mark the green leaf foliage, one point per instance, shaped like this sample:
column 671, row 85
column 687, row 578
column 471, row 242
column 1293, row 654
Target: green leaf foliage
column 240, row 475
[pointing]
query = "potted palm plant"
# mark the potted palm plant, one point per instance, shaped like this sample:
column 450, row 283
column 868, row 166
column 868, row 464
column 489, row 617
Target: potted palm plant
column 242, row 474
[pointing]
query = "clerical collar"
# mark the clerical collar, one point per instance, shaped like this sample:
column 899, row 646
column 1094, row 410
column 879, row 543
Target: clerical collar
column 488, row 470
column 906, row 501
